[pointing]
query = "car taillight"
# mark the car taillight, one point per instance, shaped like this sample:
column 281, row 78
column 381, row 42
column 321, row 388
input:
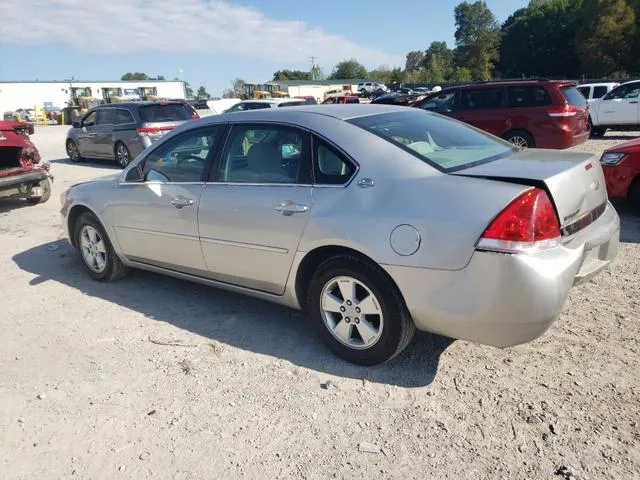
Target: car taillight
column 150, row 131
column 528, row 223
column 195, row 116
column 566, row 111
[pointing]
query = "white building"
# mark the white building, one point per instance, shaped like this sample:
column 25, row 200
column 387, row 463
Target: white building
column 15, row 95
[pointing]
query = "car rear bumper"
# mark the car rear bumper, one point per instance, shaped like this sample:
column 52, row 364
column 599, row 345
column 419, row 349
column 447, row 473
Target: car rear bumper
column 501, row 299
column 22, row 181
column 560, row 139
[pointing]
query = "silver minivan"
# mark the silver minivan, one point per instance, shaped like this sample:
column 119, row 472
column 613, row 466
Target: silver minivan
column 121, row 131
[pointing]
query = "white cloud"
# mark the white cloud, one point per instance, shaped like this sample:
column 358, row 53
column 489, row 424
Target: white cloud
column 207, row 26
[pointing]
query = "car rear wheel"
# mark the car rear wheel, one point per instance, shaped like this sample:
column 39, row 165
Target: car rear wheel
column 96, row 251
column 45, row 185
column 520, row 139
column 358, row 312
column 73, row 152
column 123, row 157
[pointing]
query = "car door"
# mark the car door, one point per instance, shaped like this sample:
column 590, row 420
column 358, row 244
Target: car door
column 255, row 208
column 482, row 108
column 86, row 133
column 621, row 106
column 156, row 219
column 103, row 133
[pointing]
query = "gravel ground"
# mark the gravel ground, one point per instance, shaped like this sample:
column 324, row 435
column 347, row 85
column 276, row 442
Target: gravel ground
column 158, row 378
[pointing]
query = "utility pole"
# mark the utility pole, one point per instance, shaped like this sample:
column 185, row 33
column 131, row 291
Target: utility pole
column 313, row 68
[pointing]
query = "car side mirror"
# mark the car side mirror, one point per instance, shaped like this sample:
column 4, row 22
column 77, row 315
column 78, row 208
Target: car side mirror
column 75, row 124
column 136, row 174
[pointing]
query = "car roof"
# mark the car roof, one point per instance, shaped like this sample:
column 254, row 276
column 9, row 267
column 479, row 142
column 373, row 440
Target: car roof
column 272, row 100
column 340, row 111
column 601, row 84
column 508, row 83
column 138, row 104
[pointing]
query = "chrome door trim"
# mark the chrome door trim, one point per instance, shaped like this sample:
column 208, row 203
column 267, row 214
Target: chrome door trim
column 251, row 246
column 155, row 232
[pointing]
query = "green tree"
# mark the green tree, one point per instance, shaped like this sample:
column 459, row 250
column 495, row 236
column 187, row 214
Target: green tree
column 348, row 70
column 135, row 76
column 291, row 75
column 382, row 74
column 477, row 38
column 414, row 61
column 540, row 40
column 438, row 62
column 202, row 93
column 606, row 30
column 236, row 89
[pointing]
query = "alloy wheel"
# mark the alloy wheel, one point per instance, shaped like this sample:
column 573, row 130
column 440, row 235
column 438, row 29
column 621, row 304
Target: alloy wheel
column 72, row 151
column 122, row 155
column 519, row 141
column 93, row 249
column 351, row 312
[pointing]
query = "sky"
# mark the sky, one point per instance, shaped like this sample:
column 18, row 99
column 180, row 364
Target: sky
column 211, row 42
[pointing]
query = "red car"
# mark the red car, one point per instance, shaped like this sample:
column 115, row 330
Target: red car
column 22, row 173
column 341, row 99
column 528, row 113
column 621, row 167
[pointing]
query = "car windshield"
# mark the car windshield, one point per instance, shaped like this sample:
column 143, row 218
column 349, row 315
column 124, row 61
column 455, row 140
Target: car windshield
column 441, row 142
column 170, row 112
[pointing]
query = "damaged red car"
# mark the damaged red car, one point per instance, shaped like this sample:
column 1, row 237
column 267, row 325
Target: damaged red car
column 22, row 173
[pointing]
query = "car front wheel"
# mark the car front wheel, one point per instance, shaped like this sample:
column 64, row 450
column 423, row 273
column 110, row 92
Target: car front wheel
column 97, row 253
column 358, row 311
column 73, row 152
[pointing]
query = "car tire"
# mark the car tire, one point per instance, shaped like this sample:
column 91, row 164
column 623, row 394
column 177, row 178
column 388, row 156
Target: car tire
column 520, row 138
column 350, row 333
column 96, row 250
column 46, row 193
column 73, row 152
column 122, row 154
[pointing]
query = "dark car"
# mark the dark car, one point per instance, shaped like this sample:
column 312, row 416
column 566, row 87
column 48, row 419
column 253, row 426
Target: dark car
column 308, row 99
column 120, row 131
column 621, row 165
column 528, row 113
column 395, row 99
column 22, row 173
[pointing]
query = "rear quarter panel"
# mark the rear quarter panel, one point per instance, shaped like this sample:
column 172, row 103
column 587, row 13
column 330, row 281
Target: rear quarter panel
column 450, row 213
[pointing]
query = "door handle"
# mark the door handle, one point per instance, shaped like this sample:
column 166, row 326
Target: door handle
column 635, row 101
column 181, row 201
column 289, row 208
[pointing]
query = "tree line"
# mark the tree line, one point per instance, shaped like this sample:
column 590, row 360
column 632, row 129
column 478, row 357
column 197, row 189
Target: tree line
column 548, row 38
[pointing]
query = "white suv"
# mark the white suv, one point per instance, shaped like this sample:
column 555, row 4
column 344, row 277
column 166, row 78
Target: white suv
column 595, row 91
column 619, row 109
column 370, row 87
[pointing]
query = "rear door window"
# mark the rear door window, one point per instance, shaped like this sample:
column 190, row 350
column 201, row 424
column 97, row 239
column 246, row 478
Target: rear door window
column 329, row 166
column 520, row 97
column 573, row 96
column 481, row 99
column 599, row 92
column 169, row 112
column 123, row 117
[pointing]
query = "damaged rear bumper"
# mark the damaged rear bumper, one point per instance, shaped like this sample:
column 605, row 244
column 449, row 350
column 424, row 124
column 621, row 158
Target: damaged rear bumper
column 22, row 183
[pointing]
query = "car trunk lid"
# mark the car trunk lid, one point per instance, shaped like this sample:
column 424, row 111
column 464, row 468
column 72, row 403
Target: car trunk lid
column 574, row 181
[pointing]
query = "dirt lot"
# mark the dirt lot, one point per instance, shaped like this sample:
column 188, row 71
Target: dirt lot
column 90, row 390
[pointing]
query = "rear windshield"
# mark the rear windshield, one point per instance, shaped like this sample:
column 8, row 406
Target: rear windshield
column 573, row 96
column 170, row 112
column 291, row 104
column 441, row 142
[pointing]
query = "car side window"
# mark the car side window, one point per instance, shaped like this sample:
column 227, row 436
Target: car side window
column 264, row 154
column 183, row 158
column 624, row 91
column 521, row 97
column 107, row 117
column 599, row 92
column 90, row 119
column 441, row 103
column 122, row 117
column 481, row 99
column 329, row 166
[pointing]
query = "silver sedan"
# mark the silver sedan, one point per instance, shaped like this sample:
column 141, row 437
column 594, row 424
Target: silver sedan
column 376, row 220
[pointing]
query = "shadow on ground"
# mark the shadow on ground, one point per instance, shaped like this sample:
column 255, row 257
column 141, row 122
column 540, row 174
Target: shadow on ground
column 8, row 204
column 629, row 222
column 87, row 163
column 230, row 318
